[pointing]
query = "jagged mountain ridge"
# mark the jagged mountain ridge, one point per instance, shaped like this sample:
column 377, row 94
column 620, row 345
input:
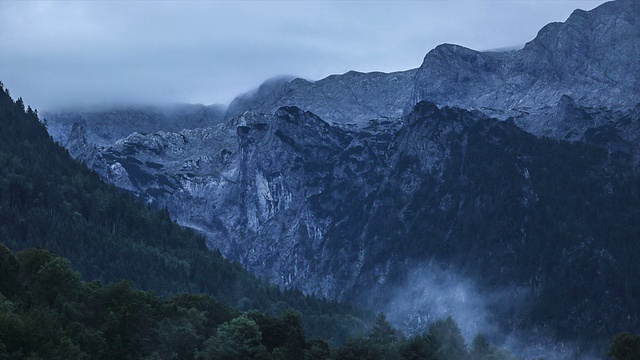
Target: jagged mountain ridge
column 105, row 126
column 588, row 57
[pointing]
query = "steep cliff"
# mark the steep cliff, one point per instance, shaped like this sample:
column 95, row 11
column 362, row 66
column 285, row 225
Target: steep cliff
column 588, row 57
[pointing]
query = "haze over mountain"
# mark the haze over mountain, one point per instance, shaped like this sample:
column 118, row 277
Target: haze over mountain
column 512, row 175
column 588, row 58
column 106, row 52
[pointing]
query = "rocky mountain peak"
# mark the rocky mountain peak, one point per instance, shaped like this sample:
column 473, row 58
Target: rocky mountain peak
column 588, row 57
column 350, row 98
column 446, row 51
column 607, row 34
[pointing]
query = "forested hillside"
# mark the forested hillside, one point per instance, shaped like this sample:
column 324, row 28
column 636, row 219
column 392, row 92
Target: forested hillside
column 46, row 312
column 48, row 200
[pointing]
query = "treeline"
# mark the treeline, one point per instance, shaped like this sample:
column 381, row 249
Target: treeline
column 49, row 200
column 47, row 312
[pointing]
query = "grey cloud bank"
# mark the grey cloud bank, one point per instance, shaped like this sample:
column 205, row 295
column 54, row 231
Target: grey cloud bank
column 60, row 54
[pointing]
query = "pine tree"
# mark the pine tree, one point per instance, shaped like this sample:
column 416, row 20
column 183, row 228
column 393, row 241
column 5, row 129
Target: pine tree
column 446, row 337
column 382, row 332
column 625, row 346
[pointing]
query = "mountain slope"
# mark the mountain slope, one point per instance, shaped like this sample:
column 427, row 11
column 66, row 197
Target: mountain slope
column 323, row 210
column 51, row 201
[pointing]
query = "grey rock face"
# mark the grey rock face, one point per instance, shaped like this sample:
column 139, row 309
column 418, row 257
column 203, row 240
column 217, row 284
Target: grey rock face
column 261, row 187
column 592, row 58
column 351, row 98
column 589, row 57
column 105, row 126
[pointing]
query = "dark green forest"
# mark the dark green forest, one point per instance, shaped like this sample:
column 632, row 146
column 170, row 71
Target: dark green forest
column 47, row 312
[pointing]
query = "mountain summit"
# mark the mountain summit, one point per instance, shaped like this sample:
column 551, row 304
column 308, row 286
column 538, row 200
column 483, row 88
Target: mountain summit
column 588, row 57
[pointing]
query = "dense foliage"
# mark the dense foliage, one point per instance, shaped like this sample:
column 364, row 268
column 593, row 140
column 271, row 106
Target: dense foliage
column 49, row 200
column 577, row 206
column 47, row 312
column 625, row 346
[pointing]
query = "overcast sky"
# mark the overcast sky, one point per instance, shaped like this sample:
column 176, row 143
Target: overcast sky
column 57, row 54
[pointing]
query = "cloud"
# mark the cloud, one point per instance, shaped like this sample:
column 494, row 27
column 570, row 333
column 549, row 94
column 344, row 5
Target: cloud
column 433, row 291
column 56, row 53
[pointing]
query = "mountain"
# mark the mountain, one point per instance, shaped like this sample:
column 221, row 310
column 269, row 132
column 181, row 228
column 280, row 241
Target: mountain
column 325, row 210
column 46, row 311
column 350, row 98
column 588, row 57
column 103, row 126
column 507, row 182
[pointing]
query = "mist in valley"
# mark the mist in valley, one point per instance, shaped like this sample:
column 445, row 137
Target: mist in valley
column 435, row 291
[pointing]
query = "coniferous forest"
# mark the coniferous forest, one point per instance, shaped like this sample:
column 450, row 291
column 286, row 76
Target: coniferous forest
column 47, row 312
column 129, row 283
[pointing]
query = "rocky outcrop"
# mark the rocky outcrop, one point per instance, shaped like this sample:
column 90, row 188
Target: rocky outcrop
column 351, row 98
column 103, row 127
column 588, row 57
